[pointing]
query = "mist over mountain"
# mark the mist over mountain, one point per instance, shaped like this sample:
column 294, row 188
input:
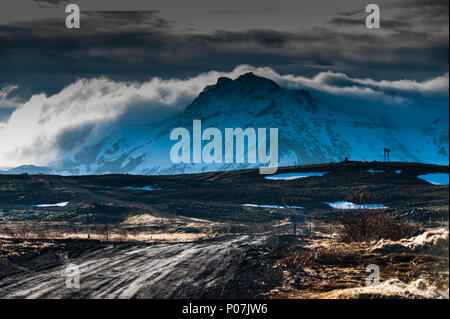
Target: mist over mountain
column 309, row 131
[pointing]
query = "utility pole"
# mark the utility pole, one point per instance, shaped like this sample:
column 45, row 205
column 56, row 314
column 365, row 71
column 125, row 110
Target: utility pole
column 387, row 152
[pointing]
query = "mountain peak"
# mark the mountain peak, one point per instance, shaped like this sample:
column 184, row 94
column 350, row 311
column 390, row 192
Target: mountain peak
column 223, row 80
column 244, row 81
column 250, row 77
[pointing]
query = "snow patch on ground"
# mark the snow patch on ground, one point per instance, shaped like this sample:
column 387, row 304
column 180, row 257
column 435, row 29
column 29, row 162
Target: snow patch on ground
column 144, row 188
column 62, row 204
column 398, row 171
column 349, row 205
column 374, row 171
column 270, row 206
column 435, row 178
column 291, row 176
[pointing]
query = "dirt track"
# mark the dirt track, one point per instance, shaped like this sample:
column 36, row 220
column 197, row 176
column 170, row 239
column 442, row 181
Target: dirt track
column 184, row 270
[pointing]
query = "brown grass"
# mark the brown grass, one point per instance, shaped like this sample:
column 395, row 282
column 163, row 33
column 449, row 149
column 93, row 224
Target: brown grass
column 361, row 196
column 320, row 256
column 366, row 226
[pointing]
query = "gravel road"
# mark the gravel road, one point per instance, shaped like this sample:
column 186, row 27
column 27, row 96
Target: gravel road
column 215, row 268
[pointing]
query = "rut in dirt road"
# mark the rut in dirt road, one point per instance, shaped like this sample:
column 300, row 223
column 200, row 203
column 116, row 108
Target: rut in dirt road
column 184, row 270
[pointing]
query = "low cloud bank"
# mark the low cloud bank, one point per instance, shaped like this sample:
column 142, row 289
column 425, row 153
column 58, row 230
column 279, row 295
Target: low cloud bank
column 36, row 131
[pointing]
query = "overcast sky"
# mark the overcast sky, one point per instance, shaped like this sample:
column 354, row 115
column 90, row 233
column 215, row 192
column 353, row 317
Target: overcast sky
column 137, row 40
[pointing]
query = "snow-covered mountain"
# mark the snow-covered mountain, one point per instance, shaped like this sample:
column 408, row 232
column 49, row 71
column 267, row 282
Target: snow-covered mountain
column 308, row 131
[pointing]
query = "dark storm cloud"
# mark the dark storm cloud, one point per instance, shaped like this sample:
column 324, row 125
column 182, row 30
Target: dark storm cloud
column 113, row 20
column 93, row 22
column 50, row 1
column 425, row 15
column 417, row 14
column 137, row 45
column 433, row 5
column 263, row 10
column 416, row 4
column 344, row 21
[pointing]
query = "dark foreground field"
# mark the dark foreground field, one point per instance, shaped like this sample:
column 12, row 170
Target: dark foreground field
column 219, row 196
column 241, row 266
column 191, row 236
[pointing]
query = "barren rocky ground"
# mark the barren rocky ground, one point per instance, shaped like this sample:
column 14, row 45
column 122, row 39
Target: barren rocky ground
column 228, row 267
column 193, row 236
